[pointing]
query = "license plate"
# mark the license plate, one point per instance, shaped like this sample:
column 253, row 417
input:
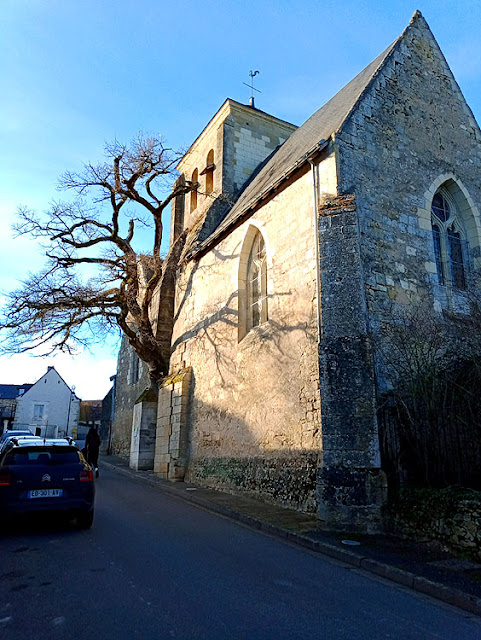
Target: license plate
column 45, row 493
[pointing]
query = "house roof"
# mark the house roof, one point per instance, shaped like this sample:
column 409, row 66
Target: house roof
column 303, row 142
column 49, row 370
column 10, row 391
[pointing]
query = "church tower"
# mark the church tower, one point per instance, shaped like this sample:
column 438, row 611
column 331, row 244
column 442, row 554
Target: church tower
column 221, row 160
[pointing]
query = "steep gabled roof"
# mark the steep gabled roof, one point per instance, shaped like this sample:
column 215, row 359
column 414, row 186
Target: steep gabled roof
column 49, row 370
column 295, row 151
column 304, row 141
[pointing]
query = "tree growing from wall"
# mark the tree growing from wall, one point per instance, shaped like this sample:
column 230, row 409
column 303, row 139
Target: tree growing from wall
column 95, row 277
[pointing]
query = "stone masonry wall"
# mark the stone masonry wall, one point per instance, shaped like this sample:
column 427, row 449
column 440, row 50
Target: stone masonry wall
column 173, row 421
column 411, row 132
column 450, row 517
column 255, row 403
column 289, row 481
column 241, row 138
column 255, row 136
column 126, row 394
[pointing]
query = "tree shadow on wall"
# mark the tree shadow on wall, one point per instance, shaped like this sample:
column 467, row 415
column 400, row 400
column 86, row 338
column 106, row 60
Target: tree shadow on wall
column 186, row 288
column 282, row 476
column 258, row 382
column 216, row 335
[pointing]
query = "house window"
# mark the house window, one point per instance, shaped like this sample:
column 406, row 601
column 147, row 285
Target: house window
column 38, row 411
column 209, row 172
column 450, row 247
column 256, row 284
column 193, row 193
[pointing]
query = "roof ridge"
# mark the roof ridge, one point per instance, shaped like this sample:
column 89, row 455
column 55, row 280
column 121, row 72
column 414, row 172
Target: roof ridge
column 267, row 176
column 315, row 132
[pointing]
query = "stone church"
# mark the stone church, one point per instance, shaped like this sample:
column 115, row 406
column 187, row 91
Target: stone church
column 303, row 245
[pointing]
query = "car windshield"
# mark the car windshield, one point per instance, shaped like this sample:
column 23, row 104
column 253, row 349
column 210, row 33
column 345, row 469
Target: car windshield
column 41, row 455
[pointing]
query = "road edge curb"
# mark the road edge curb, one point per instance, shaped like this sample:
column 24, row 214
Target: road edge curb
column 436, row 590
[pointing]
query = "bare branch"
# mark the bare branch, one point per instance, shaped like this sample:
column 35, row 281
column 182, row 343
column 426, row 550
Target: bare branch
column 65, row 306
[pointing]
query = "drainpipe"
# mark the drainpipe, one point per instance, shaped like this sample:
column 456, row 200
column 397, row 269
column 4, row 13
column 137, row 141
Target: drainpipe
column 112, row 412
column 68, row 412
column 315, row 184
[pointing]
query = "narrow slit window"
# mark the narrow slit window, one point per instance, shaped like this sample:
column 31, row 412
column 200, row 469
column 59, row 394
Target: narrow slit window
column 209, row 173
column 134, row 370
column 193, row 193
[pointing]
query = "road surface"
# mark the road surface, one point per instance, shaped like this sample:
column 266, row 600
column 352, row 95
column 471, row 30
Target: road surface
column 154, row 567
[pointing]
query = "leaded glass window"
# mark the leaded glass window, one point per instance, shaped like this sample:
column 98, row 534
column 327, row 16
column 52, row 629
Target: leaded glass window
column 449, row 241
column 437, row 252
column 456, row 259
column 256, row 285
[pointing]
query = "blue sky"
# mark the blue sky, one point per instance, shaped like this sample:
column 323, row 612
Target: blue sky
column 77, row 73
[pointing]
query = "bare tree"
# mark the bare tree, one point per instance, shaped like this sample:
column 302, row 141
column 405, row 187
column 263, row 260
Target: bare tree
column 95, row 277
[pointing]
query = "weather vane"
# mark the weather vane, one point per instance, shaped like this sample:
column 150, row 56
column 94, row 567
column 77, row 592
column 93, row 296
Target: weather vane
column 252, row 74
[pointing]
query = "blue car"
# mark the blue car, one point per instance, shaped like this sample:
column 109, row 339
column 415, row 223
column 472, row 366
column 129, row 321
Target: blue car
column 46, row 475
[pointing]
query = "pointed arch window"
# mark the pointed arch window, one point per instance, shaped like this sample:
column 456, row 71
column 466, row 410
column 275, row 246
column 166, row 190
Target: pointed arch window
column 256, row 284
column 449, row 237
column 209, row 172
column 193, row 193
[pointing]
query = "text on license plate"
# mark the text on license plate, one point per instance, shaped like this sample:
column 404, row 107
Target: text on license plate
column 45, row 493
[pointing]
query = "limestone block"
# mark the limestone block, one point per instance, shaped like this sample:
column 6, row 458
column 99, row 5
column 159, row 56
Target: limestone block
column 161, row 468
column 163, row 421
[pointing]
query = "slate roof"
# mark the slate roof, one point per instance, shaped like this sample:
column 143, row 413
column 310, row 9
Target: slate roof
column 294, row 152
column 10, row 391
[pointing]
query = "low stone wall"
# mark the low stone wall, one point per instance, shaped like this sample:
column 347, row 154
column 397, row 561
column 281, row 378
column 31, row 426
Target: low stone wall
column 287, row 481
column 450, row 517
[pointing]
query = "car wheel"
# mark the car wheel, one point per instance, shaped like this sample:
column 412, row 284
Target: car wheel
column 85, row 519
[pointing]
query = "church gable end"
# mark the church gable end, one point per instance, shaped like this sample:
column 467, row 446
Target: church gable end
column 410, row 139
column 410, row 152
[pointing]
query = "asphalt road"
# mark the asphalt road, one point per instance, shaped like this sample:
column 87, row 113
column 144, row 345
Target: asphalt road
column 154, row 567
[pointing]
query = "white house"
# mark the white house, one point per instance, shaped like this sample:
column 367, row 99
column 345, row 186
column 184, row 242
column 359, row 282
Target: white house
column 49, row 408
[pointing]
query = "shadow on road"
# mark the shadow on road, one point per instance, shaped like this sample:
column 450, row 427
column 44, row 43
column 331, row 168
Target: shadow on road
column 37, row 525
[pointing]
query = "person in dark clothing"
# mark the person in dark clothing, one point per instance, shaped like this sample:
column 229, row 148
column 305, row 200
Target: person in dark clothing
column 92, row 444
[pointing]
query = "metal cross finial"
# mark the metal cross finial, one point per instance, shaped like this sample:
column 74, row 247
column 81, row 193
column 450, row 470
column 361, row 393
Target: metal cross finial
column 252, row 75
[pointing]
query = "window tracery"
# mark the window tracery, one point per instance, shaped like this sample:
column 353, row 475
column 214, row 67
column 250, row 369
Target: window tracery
column 449, row 241
column 256, row 284
column 252, row 292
